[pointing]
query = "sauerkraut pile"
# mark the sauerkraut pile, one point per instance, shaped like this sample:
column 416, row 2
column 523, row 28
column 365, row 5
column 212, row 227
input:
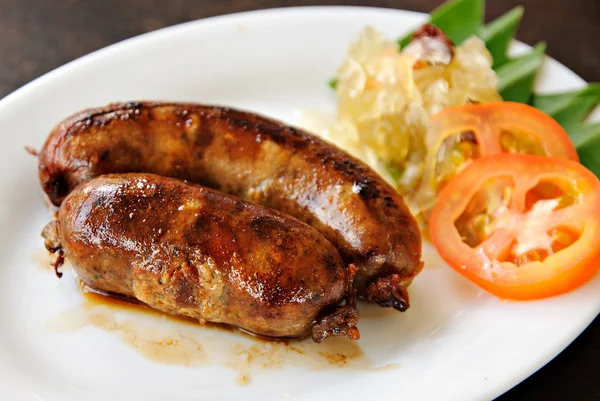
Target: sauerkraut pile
column 386, row 96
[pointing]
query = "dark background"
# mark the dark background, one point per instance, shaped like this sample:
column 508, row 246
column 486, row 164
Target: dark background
column 37, row 36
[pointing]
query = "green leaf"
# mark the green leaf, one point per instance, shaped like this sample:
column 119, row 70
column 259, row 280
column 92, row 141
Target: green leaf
column 499, row 33
column 332, row 83
column 589, row 151
column 570, row 109
column 517, row 76
column 576, row 113
column 405, row 40
column 459, row 19
column 583, row 134
column 564, row 105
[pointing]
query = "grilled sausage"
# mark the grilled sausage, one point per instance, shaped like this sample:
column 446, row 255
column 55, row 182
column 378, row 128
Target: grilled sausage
column 257, row 159
column 192, row 251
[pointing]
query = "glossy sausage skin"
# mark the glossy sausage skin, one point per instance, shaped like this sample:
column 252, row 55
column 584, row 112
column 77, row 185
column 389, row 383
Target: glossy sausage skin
column 192, row 251
column 257, row 159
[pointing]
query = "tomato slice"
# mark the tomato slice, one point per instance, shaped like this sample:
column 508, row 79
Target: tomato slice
column 520, row 226
column 460, row 134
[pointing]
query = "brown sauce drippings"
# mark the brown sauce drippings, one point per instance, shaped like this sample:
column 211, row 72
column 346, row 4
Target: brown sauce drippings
column 93, row 297
column 177, row 340
column 44, row 259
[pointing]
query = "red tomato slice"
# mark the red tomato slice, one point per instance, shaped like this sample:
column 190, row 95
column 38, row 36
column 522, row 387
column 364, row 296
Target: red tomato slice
column 459, row 134
column 520, row 226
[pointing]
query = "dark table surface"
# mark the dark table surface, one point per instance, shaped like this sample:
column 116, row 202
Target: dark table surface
column 37, row 36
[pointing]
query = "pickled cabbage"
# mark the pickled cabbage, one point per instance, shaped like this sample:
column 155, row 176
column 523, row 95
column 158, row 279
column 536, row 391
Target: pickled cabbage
column 386, row 96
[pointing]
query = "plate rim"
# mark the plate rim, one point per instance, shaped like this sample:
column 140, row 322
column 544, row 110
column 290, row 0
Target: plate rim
column 89, row 57
column 28, row 88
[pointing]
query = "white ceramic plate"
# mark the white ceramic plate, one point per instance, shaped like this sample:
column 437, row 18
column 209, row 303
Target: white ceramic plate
column 455, row 342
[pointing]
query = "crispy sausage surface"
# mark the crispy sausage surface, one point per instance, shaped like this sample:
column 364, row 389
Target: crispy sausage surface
column 188, row 250
column 257, row 159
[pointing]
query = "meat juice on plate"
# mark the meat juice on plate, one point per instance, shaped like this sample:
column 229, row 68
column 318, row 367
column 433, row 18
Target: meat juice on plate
column 172, row 340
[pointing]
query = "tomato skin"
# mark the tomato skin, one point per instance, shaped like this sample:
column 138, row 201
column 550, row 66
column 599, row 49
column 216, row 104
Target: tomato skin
column 486, row 120
column 561, row 272
column 486, row 123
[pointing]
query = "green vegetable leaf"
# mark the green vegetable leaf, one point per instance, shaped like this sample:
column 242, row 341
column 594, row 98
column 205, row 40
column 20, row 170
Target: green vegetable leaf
column 499, row 34
column 459, row 19
column 569, row 108
column 589, row 151
column 405, row 40
column 517, row 76
column 332, row 83
column 585, row 133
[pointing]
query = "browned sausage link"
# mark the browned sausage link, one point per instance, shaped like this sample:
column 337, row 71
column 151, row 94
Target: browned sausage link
column 188, row 250
column 256, row 159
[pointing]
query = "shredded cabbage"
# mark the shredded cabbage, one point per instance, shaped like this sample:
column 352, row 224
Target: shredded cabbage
column 386, row 96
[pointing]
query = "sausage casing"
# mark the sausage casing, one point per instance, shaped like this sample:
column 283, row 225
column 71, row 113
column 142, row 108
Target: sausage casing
column 257, row 159
column 192, row 251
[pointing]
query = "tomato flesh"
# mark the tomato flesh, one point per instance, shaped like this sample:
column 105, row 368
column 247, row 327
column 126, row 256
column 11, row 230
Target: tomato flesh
column 460, row 134
column 520, row 226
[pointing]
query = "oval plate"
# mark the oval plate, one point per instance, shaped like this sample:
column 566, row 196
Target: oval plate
column 455, row 342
